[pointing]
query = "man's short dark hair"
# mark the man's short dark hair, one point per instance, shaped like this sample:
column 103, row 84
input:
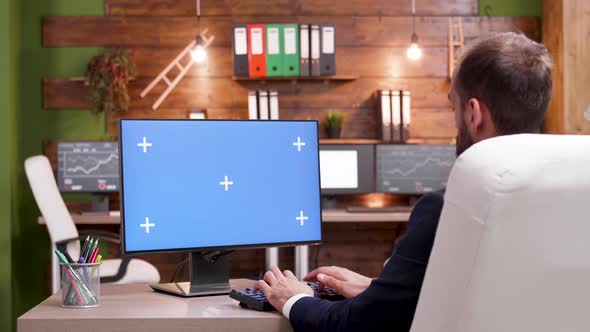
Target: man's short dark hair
column 511, row 75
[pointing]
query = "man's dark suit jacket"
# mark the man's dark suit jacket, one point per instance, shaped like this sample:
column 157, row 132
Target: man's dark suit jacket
column 390, row 301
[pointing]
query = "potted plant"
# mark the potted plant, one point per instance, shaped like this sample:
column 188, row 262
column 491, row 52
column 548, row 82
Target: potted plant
column 334, row 124
column 107, row 77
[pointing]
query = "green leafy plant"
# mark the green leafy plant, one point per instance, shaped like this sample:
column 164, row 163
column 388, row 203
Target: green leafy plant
column 107, row 77
column 334, row 119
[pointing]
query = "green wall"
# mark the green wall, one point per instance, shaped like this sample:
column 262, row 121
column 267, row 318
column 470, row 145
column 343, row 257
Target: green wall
column 30, row 241
column 511, row 7
column 8, row 39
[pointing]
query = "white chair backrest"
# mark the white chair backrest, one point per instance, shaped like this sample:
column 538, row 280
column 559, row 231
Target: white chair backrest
column 59, row 221
column 512, row 250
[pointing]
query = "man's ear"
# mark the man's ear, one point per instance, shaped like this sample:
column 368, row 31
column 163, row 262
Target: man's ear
column 473, row 117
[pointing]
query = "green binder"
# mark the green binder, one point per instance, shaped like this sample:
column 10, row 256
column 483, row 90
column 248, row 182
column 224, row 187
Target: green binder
column 274, row 48
column 290, row 49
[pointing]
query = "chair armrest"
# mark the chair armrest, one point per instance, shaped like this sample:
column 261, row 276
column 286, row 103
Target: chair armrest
column 113, row 238
column 120, row 273
column 103, row 235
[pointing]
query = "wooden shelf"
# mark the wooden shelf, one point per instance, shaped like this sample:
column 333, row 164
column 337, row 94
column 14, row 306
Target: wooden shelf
column 78, row 79
column 339, row 216
column 350, row 141
column 297, row 78
column 435, row 141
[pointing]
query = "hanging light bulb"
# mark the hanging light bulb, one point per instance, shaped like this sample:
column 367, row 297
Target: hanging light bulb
column 414, row 52
column 198, row 53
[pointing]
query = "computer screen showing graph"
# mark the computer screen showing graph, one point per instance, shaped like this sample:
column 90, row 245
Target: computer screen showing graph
column 88, row 166
column 197, row 185
column 413, row 169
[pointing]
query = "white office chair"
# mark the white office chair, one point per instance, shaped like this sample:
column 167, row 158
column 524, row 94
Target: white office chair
column 512, row 250
column 64, row 235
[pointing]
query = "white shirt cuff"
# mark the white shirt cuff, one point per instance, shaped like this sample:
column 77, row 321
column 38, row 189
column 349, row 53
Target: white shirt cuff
column 290, row 302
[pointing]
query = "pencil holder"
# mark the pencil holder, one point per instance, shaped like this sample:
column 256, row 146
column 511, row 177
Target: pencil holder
column 80, row 285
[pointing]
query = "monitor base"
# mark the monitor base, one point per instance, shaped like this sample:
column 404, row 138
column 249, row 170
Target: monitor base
column 207, row 277
column 184, row 289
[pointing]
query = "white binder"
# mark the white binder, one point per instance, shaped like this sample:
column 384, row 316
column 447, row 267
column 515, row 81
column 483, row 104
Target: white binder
column 252, row 105
column 274, row 105
column 406, row 115
column 396, row 115
column 263, row 105
column 385, row 115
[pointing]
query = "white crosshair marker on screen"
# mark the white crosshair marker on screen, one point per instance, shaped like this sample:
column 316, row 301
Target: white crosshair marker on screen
column 144, row 145
column 226, row 183
column 301, row 218
column 299, row 144
column 147, row 225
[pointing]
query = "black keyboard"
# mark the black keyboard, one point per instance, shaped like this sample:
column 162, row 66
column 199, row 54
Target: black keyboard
column 255, row 299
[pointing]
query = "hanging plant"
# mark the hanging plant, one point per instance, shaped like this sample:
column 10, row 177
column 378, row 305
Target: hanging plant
column 107, row 77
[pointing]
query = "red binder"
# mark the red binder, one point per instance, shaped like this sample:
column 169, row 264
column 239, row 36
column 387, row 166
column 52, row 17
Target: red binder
column 256, row 52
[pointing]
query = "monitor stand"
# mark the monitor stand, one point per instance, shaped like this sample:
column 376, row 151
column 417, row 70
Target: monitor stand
column 209, row 275
column 329, row 202
column 99, row 202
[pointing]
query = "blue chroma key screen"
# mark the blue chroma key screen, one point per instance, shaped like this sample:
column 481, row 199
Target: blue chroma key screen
column 204, row 184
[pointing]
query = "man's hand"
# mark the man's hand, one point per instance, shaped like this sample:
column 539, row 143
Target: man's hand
column 344, row 281
column 278, row 287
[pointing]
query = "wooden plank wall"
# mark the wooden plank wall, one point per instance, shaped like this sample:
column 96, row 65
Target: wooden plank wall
column 553, row 38
column 566, row 31
column 371, row 39
column 370, row 47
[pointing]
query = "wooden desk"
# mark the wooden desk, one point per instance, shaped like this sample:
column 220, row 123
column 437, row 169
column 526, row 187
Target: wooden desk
column 327, row 216
column 136, row 307
column 345, row 216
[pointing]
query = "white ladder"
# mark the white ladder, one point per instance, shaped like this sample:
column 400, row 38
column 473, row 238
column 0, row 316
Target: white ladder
column 163, row 76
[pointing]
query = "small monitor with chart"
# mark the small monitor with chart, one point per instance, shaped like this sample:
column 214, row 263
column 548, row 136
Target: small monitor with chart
column 413, row 169
column 88, row 166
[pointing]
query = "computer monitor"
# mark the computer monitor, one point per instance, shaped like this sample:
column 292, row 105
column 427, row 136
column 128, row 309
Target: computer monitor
column 413, row 169
column 88, row 167
column 211, row 186
column 347, row 169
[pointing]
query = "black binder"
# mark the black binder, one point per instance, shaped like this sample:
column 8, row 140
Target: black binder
column 315, row 50
column 304, row 46
column 240, row 50
column 328, row 50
